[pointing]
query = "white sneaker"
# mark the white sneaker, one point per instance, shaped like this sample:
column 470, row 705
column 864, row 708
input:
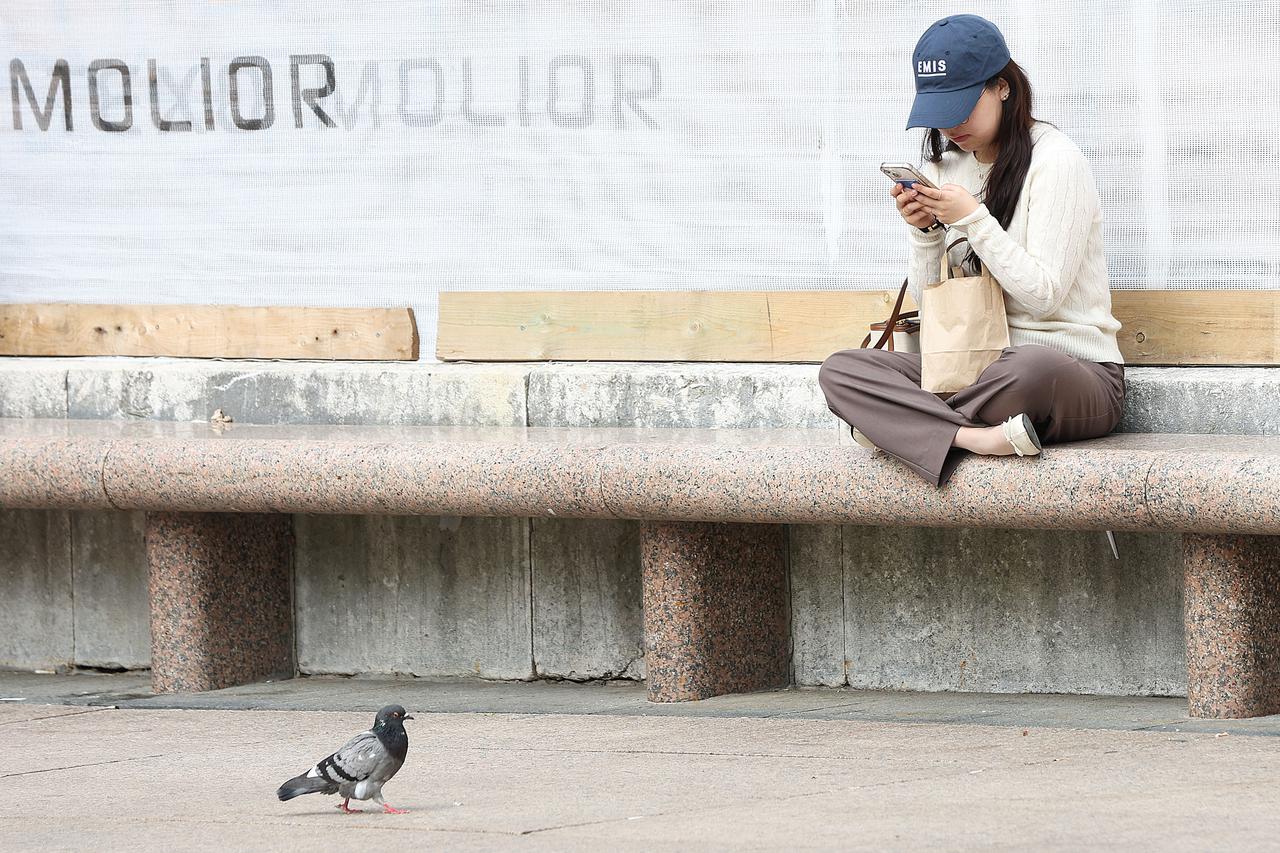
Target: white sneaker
column 861, row 439
column 1019, row 431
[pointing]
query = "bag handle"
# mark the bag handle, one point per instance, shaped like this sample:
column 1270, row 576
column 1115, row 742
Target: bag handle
column 946, row 258
column 897, row 315
column 886, row 337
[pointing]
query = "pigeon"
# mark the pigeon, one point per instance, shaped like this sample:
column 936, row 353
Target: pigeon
column 360, row 769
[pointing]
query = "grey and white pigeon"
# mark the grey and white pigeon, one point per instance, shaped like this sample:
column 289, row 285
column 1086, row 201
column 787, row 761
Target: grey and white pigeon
column 363, row 765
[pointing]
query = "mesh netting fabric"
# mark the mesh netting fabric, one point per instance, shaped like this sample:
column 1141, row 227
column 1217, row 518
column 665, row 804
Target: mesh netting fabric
column 553, row 145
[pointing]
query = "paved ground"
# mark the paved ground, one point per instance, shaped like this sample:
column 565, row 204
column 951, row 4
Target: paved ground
column 582, row 767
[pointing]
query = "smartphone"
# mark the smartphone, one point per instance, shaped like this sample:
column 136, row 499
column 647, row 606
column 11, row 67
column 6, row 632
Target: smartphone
column 905, row 174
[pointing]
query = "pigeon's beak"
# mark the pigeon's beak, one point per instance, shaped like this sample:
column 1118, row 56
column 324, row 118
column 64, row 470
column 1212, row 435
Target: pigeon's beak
column 408, row 716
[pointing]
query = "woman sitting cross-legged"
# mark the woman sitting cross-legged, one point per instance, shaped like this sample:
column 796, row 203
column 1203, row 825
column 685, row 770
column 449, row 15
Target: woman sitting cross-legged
column 1023, row 194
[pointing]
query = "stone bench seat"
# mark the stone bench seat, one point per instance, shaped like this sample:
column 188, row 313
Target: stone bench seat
column 713, row 501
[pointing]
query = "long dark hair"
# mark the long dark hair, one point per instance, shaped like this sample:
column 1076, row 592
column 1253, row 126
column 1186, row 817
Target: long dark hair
column 1013, row 141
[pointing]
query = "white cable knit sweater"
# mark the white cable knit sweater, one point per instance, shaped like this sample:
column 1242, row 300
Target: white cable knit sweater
column 1050, row 262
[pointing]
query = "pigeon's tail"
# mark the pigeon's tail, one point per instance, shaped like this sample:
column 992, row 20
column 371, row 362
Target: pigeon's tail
column 304, row 784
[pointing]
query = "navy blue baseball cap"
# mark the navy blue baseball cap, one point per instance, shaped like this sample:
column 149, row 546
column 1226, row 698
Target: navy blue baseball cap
column 953, row 61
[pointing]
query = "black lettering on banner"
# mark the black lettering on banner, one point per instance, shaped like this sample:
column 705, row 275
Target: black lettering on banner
column 482, row 119
column 206, row 87
column 413, row 119
column 233, row 95
column 370, row 85
column 310, row 96
column 335, row 107
column 162, row 124
column 126, row 84
column 61, row 79
column 586, row 115
column 632, row 97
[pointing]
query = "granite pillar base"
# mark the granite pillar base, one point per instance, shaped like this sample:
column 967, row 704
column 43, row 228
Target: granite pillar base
column 221, row 609
column 1232, row 617
column 715, row 609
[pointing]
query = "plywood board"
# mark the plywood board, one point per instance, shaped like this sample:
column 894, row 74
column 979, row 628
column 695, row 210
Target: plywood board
column 655, row 325
column 209, row 331
column 1160, row 326
column 1198, row 326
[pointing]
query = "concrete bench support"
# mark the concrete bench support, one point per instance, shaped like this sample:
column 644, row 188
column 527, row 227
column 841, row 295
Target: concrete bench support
column 221, row 612
column 1232, row 612
column 715, row 609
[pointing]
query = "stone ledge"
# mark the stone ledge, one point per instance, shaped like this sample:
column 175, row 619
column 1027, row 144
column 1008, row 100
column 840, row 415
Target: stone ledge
column 1156, row 482
column 1237, row 400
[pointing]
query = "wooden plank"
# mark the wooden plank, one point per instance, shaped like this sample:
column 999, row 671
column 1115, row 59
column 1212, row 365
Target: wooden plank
column 209, row 331
column 1198, row 326
column 1170, row 327
column 655, row 325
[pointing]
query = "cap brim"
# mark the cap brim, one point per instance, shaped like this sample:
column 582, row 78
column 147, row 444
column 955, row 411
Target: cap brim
column 944, row 109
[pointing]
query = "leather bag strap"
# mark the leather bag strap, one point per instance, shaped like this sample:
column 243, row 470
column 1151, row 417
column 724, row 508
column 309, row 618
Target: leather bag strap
column 887, row 335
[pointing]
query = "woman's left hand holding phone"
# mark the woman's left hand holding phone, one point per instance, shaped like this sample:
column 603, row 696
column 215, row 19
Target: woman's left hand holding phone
column 949, row 203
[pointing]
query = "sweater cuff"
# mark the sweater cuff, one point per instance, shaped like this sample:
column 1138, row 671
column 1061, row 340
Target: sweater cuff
column 979, row 213
column 929, row 240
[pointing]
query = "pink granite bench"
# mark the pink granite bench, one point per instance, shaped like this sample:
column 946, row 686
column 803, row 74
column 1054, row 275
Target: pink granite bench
column 219, row 536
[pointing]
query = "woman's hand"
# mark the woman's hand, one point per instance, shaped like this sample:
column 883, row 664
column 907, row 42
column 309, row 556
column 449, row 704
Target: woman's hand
column 910, row 208
column 948, row 203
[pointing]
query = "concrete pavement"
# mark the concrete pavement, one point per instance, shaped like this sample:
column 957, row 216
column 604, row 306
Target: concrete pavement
column 689, row 777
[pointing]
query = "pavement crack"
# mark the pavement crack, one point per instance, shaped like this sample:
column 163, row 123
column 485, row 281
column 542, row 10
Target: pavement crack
column 78, row 766
column 792, row 713
column 307, row 821
column 57, row 716
column 665, row 752
column 928, row 778
column 701, row 810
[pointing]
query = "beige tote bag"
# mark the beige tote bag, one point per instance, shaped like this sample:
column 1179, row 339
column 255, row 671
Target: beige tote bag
column 963, row 328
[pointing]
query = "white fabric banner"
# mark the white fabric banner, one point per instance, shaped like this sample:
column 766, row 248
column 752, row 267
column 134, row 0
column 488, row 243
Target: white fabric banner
column 301, row 153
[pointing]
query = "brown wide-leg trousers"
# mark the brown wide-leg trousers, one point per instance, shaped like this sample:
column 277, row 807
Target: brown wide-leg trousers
column 879, row 392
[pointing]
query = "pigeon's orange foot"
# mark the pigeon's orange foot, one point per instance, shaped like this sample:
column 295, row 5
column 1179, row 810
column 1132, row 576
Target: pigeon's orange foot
column 345, row 808
column 387, row 808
